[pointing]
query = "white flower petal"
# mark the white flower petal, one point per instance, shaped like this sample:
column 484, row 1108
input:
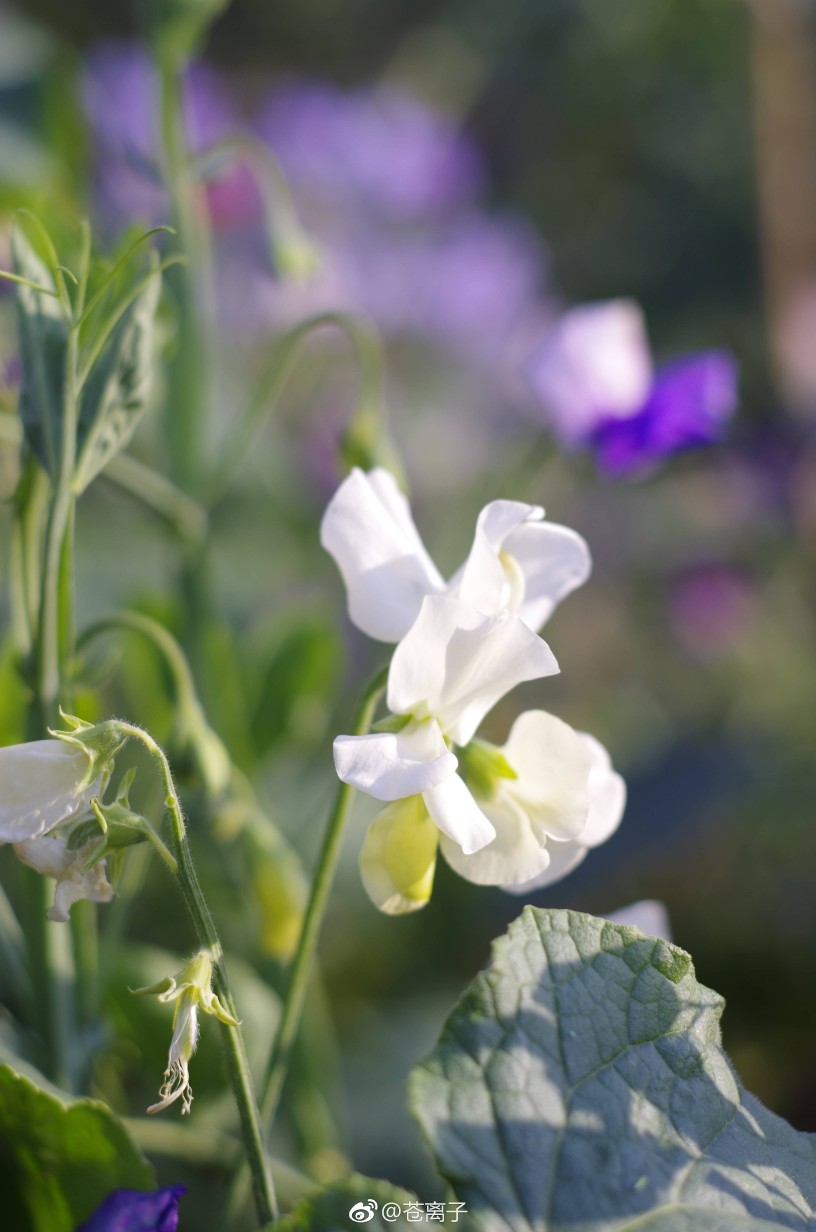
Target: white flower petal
column 369, row 531
column 40, row 786
column 514, row 855
column 398, row 858
column 649, row 916
column 393, row 765
column 595, row 363
column 52, row 857
column 458, row 815
column 553, row 561
column 563, row 859
column 483, row 580
column 607, row 795
column 455, row 664
column 553, row 764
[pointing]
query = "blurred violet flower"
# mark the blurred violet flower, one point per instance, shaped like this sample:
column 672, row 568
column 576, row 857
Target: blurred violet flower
column 389, row 188
column 131, row 1210
column 710, row 606
column 382, row 150
column 120, row 96
column 593, row 374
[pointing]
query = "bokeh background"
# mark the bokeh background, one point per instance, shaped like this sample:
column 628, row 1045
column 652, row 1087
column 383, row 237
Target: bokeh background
column 651, row 149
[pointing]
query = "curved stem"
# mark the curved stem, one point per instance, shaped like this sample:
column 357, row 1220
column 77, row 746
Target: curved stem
column 161, row 638
column 235, row 1052
column 275, row 374
column 157, row 493
column 313, row 919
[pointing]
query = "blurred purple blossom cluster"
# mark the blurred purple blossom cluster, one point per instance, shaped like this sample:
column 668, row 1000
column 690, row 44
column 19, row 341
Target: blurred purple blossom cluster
column 390, row 190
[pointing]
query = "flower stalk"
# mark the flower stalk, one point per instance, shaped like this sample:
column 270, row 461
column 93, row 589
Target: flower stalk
column 232, row 1038
column 313, row 919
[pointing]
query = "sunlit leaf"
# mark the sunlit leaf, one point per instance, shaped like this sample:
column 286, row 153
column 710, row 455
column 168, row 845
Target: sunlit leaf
column 580, row 1084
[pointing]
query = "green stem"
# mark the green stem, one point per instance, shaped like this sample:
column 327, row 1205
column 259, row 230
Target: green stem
column 53, row 620
column 188, row 376
column 155, row 492
column 276, row 372
column 232, row 1038
column 49, row 953
column 313, row 919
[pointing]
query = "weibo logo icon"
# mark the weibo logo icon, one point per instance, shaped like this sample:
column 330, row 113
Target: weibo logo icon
column 362, row 1212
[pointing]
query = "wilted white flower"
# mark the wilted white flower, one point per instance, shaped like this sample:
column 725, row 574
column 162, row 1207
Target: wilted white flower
column 192, row 991
column 51, row 856
column 517, row 562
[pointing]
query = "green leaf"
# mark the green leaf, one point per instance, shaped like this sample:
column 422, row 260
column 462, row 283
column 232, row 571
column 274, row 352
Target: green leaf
column 327, row 1210
column 118, row 387
column 59, row 1156
column 580, row 1084
column 43, row 335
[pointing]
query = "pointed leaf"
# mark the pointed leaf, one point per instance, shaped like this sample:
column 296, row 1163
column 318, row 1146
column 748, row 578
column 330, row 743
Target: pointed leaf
column 580, row 1084
column 118, row 387
column 43, row 337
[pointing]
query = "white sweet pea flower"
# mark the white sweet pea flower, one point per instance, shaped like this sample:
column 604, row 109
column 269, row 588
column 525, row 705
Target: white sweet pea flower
column 42, row 784
column 549, row 794
column 446, row 674
column 52, row 857
column 542, row 803
column 517, row 562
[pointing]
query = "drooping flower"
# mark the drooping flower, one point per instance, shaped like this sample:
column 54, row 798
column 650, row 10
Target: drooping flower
column 53, row 857
column 549, row 793
column 131, row 1210
column 192, row 991
column 449, row 670
column 42, row 784
column 517, row 562
column 594, row 376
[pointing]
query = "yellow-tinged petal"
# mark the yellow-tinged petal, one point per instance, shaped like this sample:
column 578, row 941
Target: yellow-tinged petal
column 398, row 858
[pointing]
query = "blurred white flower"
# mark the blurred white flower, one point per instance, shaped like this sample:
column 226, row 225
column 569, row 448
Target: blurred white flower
column 42, row 784
column 517, row 562
column 52, row 857
column 594, row 363
column 648, row 915
column 446, row 674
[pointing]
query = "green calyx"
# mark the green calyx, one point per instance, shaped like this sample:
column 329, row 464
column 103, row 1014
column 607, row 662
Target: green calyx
column 101, row 742
column 483, row 766
column 117, row 827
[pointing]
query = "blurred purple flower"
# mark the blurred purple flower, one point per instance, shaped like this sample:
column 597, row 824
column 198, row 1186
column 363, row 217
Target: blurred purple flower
column 382, row 149
column 131, row 1210
column 120, row 95
column 593, row 374
column 689, row 404
column 710, row 606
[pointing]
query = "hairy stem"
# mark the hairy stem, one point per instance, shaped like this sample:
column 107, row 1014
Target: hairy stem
column 232, row 1038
